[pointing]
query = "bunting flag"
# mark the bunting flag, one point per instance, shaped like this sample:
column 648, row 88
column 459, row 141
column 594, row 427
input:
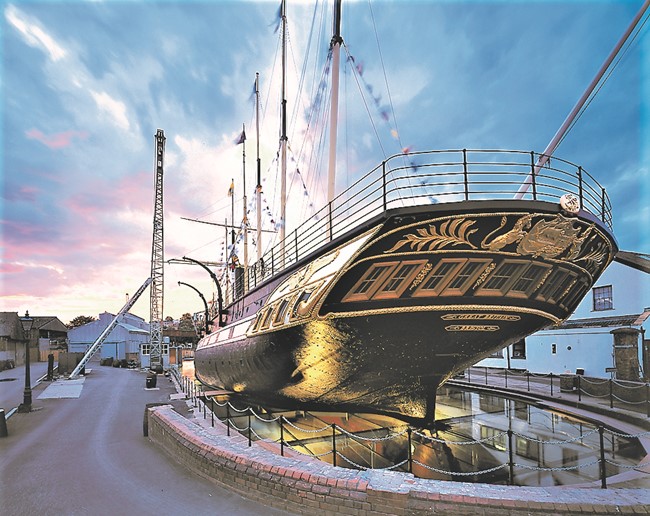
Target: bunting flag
column 241, row 138
column 231, row 190
column 278, row 19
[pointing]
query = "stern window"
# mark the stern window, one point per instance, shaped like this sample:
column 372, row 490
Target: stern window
column 397, row 284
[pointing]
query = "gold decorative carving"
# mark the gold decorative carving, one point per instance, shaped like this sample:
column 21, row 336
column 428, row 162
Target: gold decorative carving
column 452, row 232
column 421, row 275
column 480, row 317
column 518, row 232
column 551, row 238
column 471, row 327
column 484, row 275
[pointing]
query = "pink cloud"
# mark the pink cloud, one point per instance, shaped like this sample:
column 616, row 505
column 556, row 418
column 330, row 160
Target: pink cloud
column 57, row 140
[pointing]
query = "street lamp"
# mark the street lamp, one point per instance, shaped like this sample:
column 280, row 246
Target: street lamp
column 216, row 282
column 205, row 303
column 27, row 323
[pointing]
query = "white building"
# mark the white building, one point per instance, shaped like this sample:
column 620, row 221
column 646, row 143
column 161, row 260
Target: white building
column 128, row 340
column 619, row 299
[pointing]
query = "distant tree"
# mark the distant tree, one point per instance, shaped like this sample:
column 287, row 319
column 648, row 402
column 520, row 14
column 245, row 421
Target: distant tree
column 80, row 320
column 186, row 324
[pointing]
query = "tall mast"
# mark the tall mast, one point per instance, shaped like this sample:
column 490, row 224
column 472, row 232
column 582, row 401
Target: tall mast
column 337, row 40
column 258, row 188
column 245, row 217
column 561, row 132
column 283, row 138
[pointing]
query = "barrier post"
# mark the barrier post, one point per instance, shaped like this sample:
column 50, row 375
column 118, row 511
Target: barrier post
column 469, row 375
column 212, row 411
column 551, row 384
column 410, row 450
column 647, row 398
column 506, row 371
column 528, row 379
column 250, row 437
column 603, row 470
column 281, row 436
column 611, row 393
column 334, row 444
column 511, row 463
column 486, row 376
column 579, row 389
column 205, row 409
column 228, row 418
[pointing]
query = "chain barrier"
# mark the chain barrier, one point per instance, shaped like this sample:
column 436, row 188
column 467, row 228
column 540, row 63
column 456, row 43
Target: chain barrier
column 630, row 436
column 630, row 402
column 317, row 455
column 637, row 467
column 364, row 468
column 574, row 439
column 615, row 382
column 459, row 443
column 307, row 431
column 461, row 474
column 592, row 382
column 372, row 439
column 557, row 468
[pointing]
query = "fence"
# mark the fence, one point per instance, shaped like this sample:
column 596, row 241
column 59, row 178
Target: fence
column 334, row 434
column 620, row 393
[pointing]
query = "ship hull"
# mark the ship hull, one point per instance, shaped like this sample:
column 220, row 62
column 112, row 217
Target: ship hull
column 378, row 320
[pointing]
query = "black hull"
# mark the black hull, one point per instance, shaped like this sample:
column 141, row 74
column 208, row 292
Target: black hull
column 377, row 321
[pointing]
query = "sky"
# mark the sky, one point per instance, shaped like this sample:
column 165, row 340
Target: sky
column 85, row 86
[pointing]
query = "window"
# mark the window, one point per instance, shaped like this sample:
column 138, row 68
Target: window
column 398, row 281
column 519, row 349
column 165, row 349
column 553, row 349
column 528, row 281
column 499, row 282
column 370, row 281
column 146, row 349
column 464, row 279
column 603, row 299
column 555, row 285
column 497, row 354
column 438, row 278
column 282, row 310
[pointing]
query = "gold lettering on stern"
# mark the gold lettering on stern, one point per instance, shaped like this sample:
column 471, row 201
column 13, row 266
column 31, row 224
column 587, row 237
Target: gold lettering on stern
column 480, row 317
column 471, row 327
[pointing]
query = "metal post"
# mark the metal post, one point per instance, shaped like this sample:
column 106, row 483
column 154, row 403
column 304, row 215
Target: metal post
column 486, row 376
column 296, row 242
column 506, row 371
column 602, row 204
column 329, row 216
column 212, row 412
column 580, row 186
column 511, row 464
column 647, row 398
column 579, row 390
column 228, row 418
column 532, row 174
column 551, row 384
column 410, row 452
column 334, row 444
column 466, row 178
column 250, row 439
column 469, row 375
column 383, row 177
column 204, row 408
column 281, row 436
column 611, row 393
column 603, row 470
column 528, row 379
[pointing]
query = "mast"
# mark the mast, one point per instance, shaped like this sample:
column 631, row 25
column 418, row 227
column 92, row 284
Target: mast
column 245, row 218
column 258, row 188
column 561, row 132
column 283, row 138
column 337, row 40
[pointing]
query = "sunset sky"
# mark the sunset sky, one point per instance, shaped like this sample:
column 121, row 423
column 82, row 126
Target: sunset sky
column 85, row 85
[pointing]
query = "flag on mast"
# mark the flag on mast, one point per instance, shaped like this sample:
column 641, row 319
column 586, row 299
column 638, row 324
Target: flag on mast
column 241, row 138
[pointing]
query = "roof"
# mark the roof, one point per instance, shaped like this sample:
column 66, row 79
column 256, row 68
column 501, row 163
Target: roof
column 49, row 322
column 133, row 329
column 605, row 322
column 10, row 326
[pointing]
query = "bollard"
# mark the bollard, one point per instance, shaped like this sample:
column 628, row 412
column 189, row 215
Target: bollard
column 551, row 384
column 281, row 436
column 506, row 371
column 212, row 411
column 486, row 376
column 50, row 367
column 647, row 398
column 250, row 429
column 579, row 390
column 528, row 379
column 469, row 375
column 3, row 424
column 611, row 394
column 228, row 418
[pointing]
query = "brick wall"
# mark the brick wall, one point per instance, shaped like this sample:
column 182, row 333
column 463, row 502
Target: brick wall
column 307, row 487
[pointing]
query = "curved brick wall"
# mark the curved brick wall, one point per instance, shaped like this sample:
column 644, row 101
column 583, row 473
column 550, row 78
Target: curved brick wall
column 306, row 487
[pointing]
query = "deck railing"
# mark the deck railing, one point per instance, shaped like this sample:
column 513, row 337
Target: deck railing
column 431, row 177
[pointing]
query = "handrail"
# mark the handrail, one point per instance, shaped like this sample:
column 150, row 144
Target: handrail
column 428, row 177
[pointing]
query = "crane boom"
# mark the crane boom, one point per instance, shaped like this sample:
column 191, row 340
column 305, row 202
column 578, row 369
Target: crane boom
column 104, row 335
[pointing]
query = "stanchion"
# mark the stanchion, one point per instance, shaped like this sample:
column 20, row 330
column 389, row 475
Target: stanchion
column 528, row 379
column 204, row 408
column 334, row 444
column 469, row 375
column 486, row 376
column 579, row 390
column 647, row 398
column 212, row 411
column 506, row 372
column 611, row 393
column 551, row 384
column 410, row 451
column 228, row 418
column 250, row 429
column 603, row 469
column 281, row 436
column 3, row 424
column 511, row 463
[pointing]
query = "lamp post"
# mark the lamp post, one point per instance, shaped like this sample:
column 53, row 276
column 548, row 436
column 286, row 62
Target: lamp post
column 216, row 282
column 205, row 303
column 27, row 323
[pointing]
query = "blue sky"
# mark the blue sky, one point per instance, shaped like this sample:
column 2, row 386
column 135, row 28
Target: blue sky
column 85, row 85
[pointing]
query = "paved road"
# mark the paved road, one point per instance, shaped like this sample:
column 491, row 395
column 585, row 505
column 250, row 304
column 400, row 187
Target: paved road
column 88, row 456
column 12, row 384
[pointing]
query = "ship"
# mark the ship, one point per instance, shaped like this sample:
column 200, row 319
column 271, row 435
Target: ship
column 407, row 278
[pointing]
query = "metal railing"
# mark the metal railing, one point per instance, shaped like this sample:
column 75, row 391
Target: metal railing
column 431, row 177
column 594, row 440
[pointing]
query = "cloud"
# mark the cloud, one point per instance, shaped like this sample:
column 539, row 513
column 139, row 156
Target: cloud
column 114, row 108
column 34, row 35
column 57, row 140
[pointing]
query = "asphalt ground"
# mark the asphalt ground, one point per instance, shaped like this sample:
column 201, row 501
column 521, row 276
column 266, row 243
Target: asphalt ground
column 88, row 456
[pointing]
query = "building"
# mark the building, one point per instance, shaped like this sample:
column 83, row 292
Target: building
column 605, row 337
column 128, row 340
column 48, row 334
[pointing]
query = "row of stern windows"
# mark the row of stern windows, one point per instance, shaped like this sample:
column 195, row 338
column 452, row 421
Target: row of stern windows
column 514, row 278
